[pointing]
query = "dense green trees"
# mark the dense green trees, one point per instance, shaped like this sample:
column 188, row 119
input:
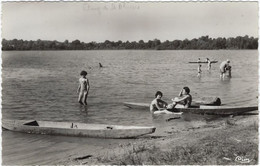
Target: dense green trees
column 202, row 43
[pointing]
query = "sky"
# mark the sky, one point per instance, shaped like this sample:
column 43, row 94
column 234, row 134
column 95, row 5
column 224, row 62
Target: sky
column 127, row 21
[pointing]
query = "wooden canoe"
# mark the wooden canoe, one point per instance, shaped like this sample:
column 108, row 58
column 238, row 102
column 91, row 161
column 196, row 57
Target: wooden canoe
column 208, row 100
column 136, row 105
column 219, row 110
column 204, row 62
column 76, row 129
column 202, row 109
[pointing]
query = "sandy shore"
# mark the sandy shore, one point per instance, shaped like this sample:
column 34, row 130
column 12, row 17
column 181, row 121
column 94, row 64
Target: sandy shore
column 219, row 141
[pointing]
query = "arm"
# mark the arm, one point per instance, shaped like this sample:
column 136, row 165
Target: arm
column 180, row 94
column 88, row 85
column 226, row 67
column 176, row 99
column 165, row 104
column 157, row 105
column 78, row 89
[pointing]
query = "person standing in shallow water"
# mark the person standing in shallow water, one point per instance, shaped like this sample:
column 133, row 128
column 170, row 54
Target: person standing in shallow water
column 83, row 88
column 199, row 71
column 224, row 67
column 100, row 65
column 209, row 63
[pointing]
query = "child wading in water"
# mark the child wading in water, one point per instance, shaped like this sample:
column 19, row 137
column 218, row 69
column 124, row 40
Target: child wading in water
column 83, row 88
column 199, row 71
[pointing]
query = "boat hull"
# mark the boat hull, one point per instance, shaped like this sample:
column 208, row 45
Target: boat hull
column 218, row 110
column 136, row 105
column 76, row 129
column 202, row 109
column 205, row 62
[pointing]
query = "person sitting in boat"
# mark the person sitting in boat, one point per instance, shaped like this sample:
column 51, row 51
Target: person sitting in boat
column 158, row 103
column 184, row 100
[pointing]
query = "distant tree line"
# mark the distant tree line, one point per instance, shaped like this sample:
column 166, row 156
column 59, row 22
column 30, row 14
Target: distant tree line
column 202, row 43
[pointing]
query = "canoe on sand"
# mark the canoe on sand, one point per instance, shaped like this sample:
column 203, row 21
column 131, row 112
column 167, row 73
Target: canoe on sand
column 202, row 109
column 76, row 129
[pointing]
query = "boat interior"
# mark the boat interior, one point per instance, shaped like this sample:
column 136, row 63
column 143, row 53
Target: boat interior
column 72, row 125
column 32, row 123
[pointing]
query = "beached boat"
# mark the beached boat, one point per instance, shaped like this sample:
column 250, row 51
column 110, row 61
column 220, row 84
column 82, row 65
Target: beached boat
column 202, row 109
column 76, row 129
column 207, row 100
column 204, row 62
column 136, row 105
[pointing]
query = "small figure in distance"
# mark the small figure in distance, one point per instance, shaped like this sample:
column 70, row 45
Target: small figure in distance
column 158, row 103
column 83, row 88
column 100, row 65
column 209, row 63
column 184, row 100
column 199, row 71
column 198, row 60
column 224, row 66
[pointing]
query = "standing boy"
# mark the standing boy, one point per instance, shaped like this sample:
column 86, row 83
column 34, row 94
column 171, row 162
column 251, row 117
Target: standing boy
column 83, row 88
column 199, row 71
column 209, row 63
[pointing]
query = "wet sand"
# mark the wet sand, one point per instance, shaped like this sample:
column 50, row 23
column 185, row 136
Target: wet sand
column 168, row 137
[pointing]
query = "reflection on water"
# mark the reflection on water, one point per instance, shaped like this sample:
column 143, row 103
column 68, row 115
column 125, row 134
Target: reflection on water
column 42, row 85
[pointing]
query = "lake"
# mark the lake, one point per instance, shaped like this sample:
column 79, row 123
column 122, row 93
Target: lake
column 43, row 85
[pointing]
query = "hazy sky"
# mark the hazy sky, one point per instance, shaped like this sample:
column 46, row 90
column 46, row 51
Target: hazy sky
column 133, row 21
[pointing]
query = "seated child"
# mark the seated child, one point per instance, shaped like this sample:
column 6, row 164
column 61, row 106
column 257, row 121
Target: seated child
column 158, row 103
column 184, row 99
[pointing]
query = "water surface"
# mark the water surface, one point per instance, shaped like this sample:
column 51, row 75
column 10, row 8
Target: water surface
column 43, row 85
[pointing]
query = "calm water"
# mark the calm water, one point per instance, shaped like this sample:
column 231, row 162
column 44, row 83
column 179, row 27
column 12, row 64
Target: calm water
column 42, row 85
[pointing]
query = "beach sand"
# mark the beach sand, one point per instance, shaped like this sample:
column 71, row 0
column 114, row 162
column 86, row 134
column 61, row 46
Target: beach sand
column 233, row 140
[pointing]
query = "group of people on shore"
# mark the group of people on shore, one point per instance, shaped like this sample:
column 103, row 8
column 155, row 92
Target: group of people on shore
column 183, row 100
column 225, row 68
